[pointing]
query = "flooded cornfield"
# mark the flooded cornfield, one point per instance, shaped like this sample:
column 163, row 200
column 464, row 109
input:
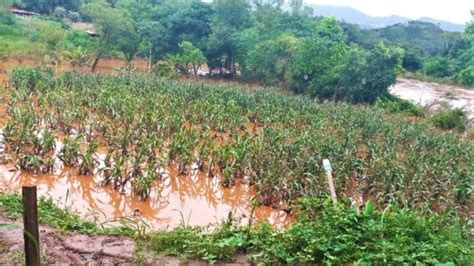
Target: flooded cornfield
column 192, row 199
column 221, row 158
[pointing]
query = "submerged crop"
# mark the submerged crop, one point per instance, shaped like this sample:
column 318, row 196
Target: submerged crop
column 262, row 136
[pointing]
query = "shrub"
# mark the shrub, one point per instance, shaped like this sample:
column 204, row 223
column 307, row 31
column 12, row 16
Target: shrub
column 164, row 69
column 466, row 76
column 438, row 67
column 396, row 105
column 451, row 119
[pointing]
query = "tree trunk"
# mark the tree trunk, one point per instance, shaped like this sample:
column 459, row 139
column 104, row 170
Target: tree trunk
column 195, row 70
column 96, row 61
column 149, row 60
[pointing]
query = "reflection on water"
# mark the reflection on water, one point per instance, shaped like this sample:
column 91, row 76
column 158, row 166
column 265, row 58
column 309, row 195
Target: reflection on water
column 197, row 199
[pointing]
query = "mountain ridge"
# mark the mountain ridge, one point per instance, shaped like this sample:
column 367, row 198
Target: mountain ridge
column 354, row 16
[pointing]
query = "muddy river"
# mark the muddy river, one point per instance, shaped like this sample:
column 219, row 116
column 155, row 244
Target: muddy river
column 433, row 95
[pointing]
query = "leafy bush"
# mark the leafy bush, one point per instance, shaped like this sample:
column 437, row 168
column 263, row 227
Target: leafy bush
column 466, row 76
column 396, row 105
column 451, row 119
column 164, row 69
column 438, row 67
column 412, row 60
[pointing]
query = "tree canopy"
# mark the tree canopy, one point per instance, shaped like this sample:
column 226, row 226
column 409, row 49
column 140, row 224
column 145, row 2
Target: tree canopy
column 270, row 42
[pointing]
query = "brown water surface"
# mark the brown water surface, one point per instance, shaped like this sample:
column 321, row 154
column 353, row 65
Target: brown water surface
column 193, row 199
column 105, row 65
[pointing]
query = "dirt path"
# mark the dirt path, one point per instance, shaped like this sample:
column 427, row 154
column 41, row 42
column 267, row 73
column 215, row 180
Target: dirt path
column 434, row 95
column 69, row 248
column 66, row 248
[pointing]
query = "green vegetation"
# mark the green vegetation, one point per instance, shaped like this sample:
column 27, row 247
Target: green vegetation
column 63, row 219
column 451, row 119
column 396, row 105
column 339, row 235
column 276, row 141
column 429, row 53
column 190, row 58
column 251, row 40
column 415, row 180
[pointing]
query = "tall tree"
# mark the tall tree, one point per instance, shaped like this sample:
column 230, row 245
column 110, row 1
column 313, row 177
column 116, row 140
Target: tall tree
column 182, row 20
column 315, row 67
column 230, row 16
column 116, row 31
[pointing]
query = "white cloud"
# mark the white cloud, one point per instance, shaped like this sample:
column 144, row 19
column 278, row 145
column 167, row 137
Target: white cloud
column 457, row 11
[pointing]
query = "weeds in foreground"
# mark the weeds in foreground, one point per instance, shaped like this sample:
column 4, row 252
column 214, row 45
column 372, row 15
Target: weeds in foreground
column 63, row 219
column 340, row 235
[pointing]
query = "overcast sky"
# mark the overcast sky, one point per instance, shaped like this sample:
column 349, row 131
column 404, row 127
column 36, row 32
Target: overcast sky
column 457, row 11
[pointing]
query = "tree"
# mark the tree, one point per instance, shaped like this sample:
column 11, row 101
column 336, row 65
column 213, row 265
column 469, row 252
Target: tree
column 412, row 60
column 438, row 67
column 314, row 70
column 466, row 76
column 116, row 31
column 380, row 72
column 6, row 16
column 186, row 20
column 151, row 34
column 230, row 16
column 189, row 58
column 270, row 60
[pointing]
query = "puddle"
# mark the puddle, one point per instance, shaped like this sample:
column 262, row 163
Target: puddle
column 432, row 95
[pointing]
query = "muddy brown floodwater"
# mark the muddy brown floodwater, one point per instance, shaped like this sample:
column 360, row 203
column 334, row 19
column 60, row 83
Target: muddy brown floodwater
column 433, row 95
column 192, row 199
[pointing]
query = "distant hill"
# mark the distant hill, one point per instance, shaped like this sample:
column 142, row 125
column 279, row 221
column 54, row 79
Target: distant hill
column 444, row 25
column 354, row 16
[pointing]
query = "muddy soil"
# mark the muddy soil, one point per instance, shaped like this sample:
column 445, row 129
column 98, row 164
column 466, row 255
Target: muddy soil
column 66, row 248
column 70, row 248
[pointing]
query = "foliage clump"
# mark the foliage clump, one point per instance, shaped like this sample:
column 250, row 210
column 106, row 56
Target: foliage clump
column 396, row 105
column 451, row 119
column 164, row 69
